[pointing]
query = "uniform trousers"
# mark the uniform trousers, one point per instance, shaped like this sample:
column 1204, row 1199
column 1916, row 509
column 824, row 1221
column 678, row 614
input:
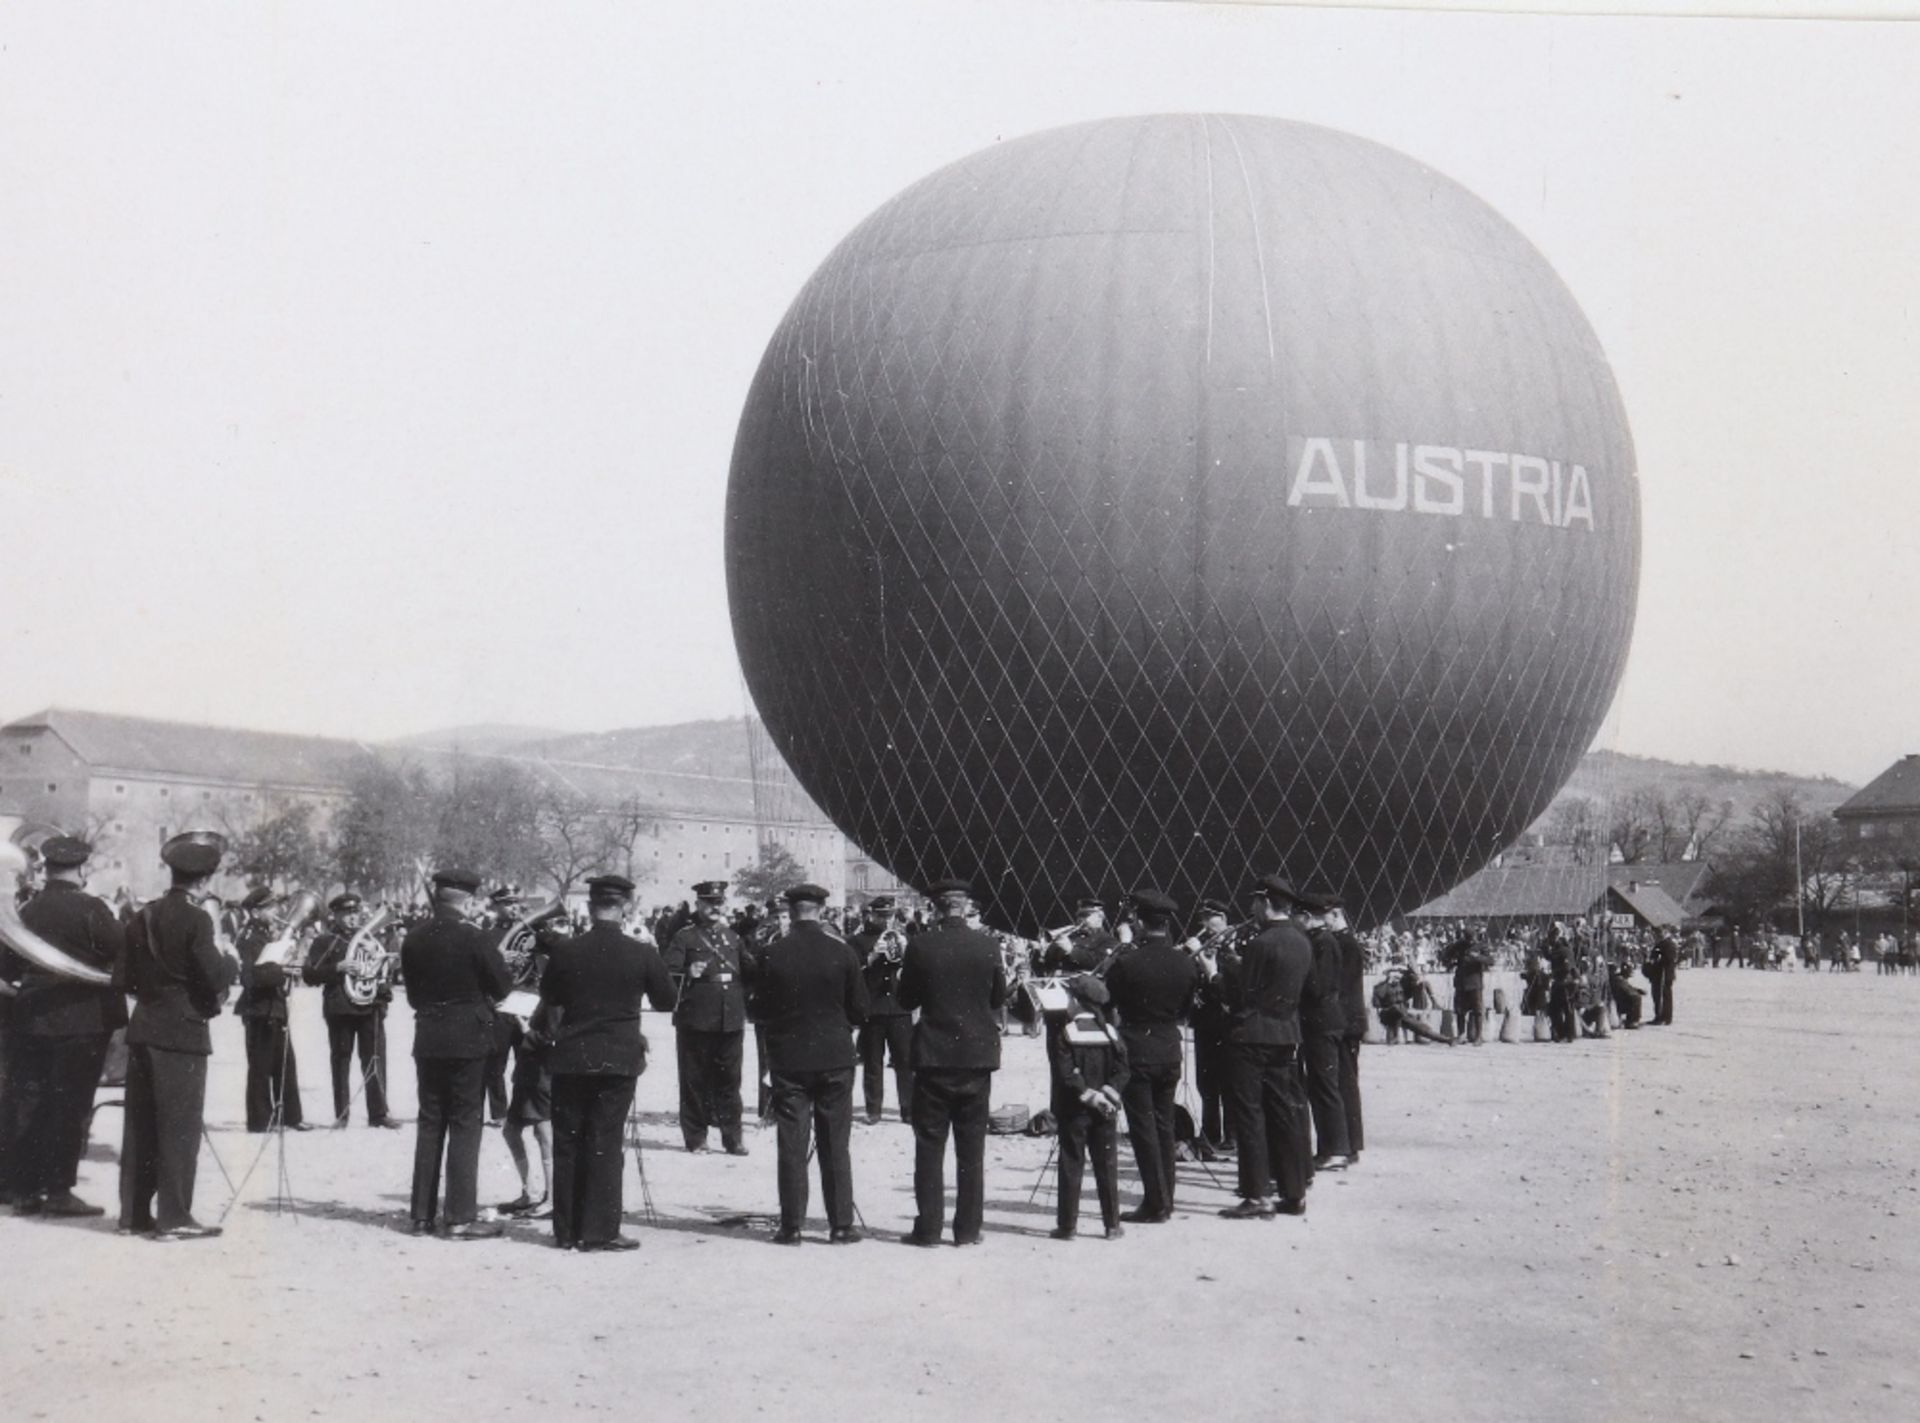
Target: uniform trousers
column 368, row 1033
column 709, row 1084
column 1148, row 1097
column 589, row 1156
column 1082, row 1131
column 1211, row 1069
column 273, row 1076
column 1663, row 982
column 816, row 1107
column 1350, row 1091
column 882, row 1038
column 1321, row 1054
column 954, row 1101
column 452, row 1091
column 1563, row 1008
column 1270, row 1117
column 52, row 1086
column 160, row 1139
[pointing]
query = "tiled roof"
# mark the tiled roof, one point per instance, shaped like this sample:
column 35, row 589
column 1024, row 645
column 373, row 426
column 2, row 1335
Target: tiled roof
column 1895, row 789
column 178, row 750
column 1520, row 891
column 144, row 745
column 1651, row 903
column 1685, row 881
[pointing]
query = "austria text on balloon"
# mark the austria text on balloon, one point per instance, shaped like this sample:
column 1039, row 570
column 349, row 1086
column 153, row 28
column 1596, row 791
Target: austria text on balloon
column 1439, row 479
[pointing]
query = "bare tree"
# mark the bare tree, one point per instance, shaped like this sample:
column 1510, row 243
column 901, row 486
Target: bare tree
column 622, row 827
column 1702, row 818
column 573, row 840
column 1632, row 824
column 1574, row 824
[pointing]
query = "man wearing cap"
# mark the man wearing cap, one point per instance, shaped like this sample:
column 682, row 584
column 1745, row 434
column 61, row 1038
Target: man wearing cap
column 59, row 1037
column 1083, row 947
column 810, row 996
column 888, row 1033
column 1153, row 987
column 1263, row 991
column 1353, row 1011
column 454, row 976
column 591, row 993
column 1209, row 1021
column 178, row 979
column 351, row 1026
column 273, row 1074
column 1323, row 1022
column 708, row 963
column 955, row 977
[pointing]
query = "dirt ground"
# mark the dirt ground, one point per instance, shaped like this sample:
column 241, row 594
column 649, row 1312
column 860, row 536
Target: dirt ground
column 1713, row 1220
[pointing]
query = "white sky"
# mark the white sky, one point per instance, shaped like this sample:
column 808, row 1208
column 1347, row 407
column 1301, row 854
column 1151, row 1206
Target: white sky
column 365, row 369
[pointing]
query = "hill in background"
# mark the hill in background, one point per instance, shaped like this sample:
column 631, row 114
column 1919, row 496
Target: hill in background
column 1607, row 776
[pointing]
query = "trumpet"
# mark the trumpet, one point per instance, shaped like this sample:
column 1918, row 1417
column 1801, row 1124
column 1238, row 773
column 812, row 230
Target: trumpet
column 29, row 945
column 283, row 948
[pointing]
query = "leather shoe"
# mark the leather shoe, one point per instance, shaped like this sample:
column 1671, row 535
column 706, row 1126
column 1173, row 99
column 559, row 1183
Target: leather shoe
column 1290, row 1208
column 143, row 1228
column 29, row 1205
column 386, row 1124
column 521, row 1202
column 1141, row 1215
column 192, row 1230
column 786, row 1235
column 1061, row 1232
column 1114, row 1232
column 615, row 1245
column 301, row 1126
column 420, row 1227
column 966, row 1240
column 1249, row 1210
column 845, row 1235
column 476, row 1230
column 65, row 1203
column 737, row 1148
column 925, row 1242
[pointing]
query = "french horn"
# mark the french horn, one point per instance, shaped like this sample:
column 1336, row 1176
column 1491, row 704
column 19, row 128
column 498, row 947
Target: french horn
column 29, row 945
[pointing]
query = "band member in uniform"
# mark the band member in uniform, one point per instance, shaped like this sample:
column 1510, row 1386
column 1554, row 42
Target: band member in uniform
column 178, row 979
column 273, row 1073
column 1210, row 1057
column 453, row 975
column 1153, row 987
column 351, row 1026
column 888, row 1033
column 1088, row 1065
column 1323, row 1022
column 954, row 976
column 810, row 995
column 1353, row 1008
column 708, row 963
column 1085, row 946
column 60, row 1031
column 590, row 999
column 1263, row 988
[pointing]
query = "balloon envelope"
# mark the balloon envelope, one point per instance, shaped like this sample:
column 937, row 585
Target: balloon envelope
column 1168, row 500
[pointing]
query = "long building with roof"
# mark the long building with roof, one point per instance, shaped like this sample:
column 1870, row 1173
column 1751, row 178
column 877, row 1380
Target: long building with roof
column 1884, row 814
column 128, row 782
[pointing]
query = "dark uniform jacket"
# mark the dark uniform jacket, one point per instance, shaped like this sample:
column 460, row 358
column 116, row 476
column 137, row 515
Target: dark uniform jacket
column 882, row 976
column 590, row 997
column 1353, row 982
column 83, row 927
column 1321, row 1013
column 177, row 977
column 809, row 994
column 263, row 987
column 1153, row 987
column 1080, row 950
column 716, row 1001
column 324, row 957
column 954, row 976
column 1468, row 960
column 453, row 978
column 1265, row 989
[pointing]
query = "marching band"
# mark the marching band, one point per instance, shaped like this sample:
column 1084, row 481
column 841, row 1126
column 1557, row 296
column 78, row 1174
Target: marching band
column 1262, row 1016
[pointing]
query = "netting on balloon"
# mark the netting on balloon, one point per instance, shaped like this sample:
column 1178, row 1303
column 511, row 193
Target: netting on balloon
column 977, row 671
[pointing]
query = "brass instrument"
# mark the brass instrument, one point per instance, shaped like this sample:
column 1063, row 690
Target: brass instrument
column 522, row 937
column 891, row 946
column 29, row 945
column 284, row 947
column 366, row 966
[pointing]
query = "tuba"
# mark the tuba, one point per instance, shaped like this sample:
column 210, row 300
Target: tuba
column 522, row 937
column 366, row 966
column 29, row 945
